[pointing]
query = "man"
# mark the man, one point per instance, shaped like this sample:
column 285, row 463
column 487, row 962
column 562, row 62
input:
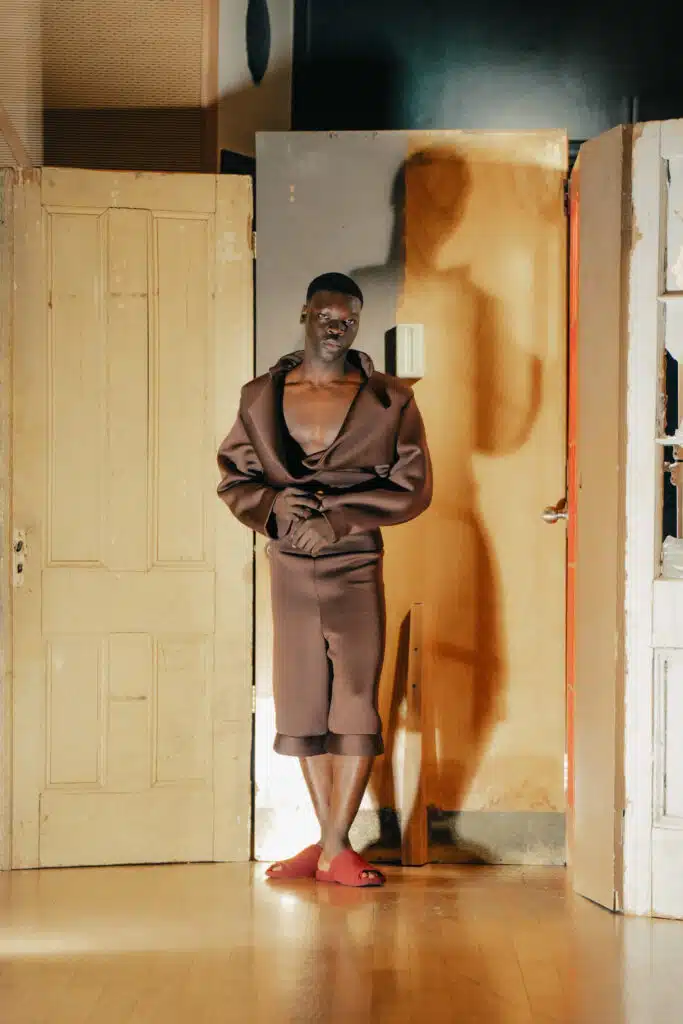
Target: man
column 324, row 452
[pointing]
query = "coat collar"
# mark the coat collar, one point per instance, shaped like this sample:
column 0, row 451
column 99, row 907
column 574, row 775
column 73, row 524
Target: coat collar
column 361, row 360
column 374, row 383
column 266, row 410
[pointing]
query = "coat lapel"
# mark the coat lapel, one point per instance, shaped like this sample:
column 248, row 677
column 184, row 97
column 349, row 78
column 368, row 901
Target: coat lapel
column 266, row 419
column 361, row 422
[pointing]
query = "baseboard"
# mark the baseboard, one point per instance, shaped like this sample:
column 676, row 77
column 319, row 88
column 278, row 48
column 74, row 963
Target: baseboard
column 455, row 837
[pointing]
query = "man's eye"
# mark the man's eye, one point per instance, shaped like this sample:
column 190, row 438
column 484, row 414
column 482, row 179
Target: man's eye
column 349, row 323
column 323, row 316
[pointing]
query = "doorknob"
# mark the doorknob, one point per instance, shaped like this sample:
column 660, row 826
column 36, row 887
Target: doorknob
column 554, row 513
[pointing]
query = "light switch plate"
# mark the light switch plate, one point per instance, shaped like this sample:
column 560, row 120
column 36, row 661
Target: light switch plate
column 410, row 351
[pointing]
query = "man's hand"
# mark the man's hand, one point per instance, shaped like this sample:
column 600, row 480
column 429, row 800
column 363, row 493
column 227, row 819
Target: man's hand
column 293, row 506
column 312, row 535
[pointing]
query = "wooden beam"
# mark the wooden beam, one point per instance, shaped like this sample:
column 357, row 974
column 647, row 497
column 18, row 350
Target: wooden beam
column 15, row 142
column 414, row 831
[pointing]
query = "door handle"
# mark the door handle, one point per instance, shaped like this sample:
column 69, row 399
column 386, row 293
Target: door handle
column 554, row 513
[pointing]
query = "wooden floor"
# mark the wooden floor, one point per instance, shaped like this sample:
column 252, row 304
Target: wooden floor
column 215, row 944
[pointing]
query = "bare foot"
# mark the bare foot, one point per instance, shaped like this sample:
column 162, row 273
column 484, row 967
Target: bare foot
column 303, row 865
column 327, row 856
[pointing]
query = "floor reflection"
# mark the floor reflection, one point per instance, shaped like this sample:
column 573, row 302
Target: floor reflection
column 217, row 943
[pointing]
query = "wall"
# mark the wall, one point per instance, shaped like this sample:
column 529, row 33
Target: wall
column 124, row 84
column 401, row 64
column 21, row 77
column 245, row 108
column 470, row 242
column 191, row 95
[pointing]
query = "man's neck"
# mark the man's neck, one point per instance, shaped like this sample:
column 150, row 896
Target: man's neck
column 317, row 372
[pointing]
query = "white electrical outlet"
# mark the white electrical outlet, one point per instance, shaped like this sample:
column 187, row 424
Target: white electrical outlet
column 410, row 351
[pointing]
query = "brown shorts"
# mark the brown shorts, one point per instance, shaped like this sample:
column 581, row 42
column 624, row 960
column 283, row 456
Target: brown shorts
column 328, row 625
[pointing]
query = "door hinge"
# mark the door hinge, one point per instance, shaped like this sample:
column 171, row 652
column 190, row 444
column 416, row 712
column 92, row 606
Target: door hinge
column 18, row 557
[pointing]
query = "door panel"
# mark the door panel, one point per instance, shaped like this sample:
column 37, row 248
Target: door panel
column 132, row 631
column 466, row 234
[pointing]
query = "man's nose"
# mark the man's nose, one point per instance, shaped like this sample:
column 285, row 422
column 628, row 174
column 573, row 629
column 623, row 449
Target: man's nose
column 335, row 327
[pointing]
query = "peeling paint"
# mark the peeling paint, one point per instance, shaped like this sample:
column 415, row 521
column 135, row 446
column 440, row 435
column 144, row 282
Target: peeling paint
column 677, row 269
column 227, row 250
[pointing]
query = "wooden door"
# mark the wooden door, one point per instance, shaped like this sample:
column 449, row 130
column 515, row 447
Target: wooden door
column 628, row 693
column 598, row 400
column 132, row 615
column 464, row 232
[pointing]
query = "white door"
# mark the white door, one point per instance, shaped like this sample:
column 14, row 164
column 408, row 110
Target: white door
column 627, row 815
column 132, row 612
column 663, row 244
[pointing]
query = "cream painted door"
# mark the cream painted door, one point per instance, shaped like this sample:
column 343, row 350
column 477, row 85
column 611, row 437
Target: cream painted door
column 132, row 616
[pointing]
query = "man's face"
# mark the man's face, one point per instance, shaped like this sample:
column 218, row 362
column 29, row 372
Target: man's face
column 332, row 321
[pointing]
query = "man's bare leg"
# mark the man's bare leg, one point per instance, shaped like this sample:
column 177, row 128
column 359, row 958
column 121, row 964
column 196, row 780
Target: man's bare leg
column 317, row 772
column 350, row 777
column 318, row 776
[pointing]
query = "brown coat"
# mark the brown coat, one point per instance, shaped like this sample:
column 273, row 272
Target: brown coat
column 376, row 473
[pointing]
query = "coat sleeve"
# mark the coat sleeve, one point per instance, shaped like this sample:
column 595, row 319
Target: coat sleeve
column 405, row 495
column 243, row 487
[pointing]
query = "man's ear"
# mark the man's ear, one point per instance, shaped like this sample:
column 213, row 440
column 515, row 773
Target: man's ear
column 304, row 314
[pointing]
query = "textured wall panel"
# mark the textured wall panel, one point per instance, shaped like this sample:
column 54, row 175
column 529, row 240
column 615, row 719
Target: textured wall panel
column 123, row 84
column 124, row 140
column 21, row 75
column 122, row 54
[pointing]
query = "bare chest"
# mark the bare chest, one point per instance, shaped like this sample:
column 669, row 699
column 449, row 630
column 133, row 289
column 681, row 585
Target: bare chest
column 315, row 414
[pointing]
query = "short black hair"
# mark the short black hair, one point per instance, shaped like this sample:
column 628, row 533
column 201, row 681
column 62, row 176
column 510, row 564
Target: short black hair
column 334, row 283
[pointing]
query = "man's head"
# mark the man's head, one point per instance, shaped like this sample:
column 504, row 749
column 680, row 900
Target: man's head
column 331, row 315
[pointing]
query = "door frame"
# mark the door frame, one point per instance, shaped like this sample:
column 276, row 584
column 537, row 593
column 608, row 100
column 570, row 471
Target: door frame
column 572, row 412
column 7, row 182
column 643, row 503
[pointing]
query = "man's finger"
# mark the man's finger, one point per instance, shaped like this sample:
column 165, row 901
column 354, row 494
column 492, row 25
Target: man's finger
column 307, row 541
column 299, row 543
column 300, row 532
column 297, row 530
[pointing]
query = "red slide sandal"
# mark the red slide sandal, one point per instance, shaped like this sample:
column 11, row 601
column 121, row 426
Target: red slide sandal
column 347, row 869
column 303, row 865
